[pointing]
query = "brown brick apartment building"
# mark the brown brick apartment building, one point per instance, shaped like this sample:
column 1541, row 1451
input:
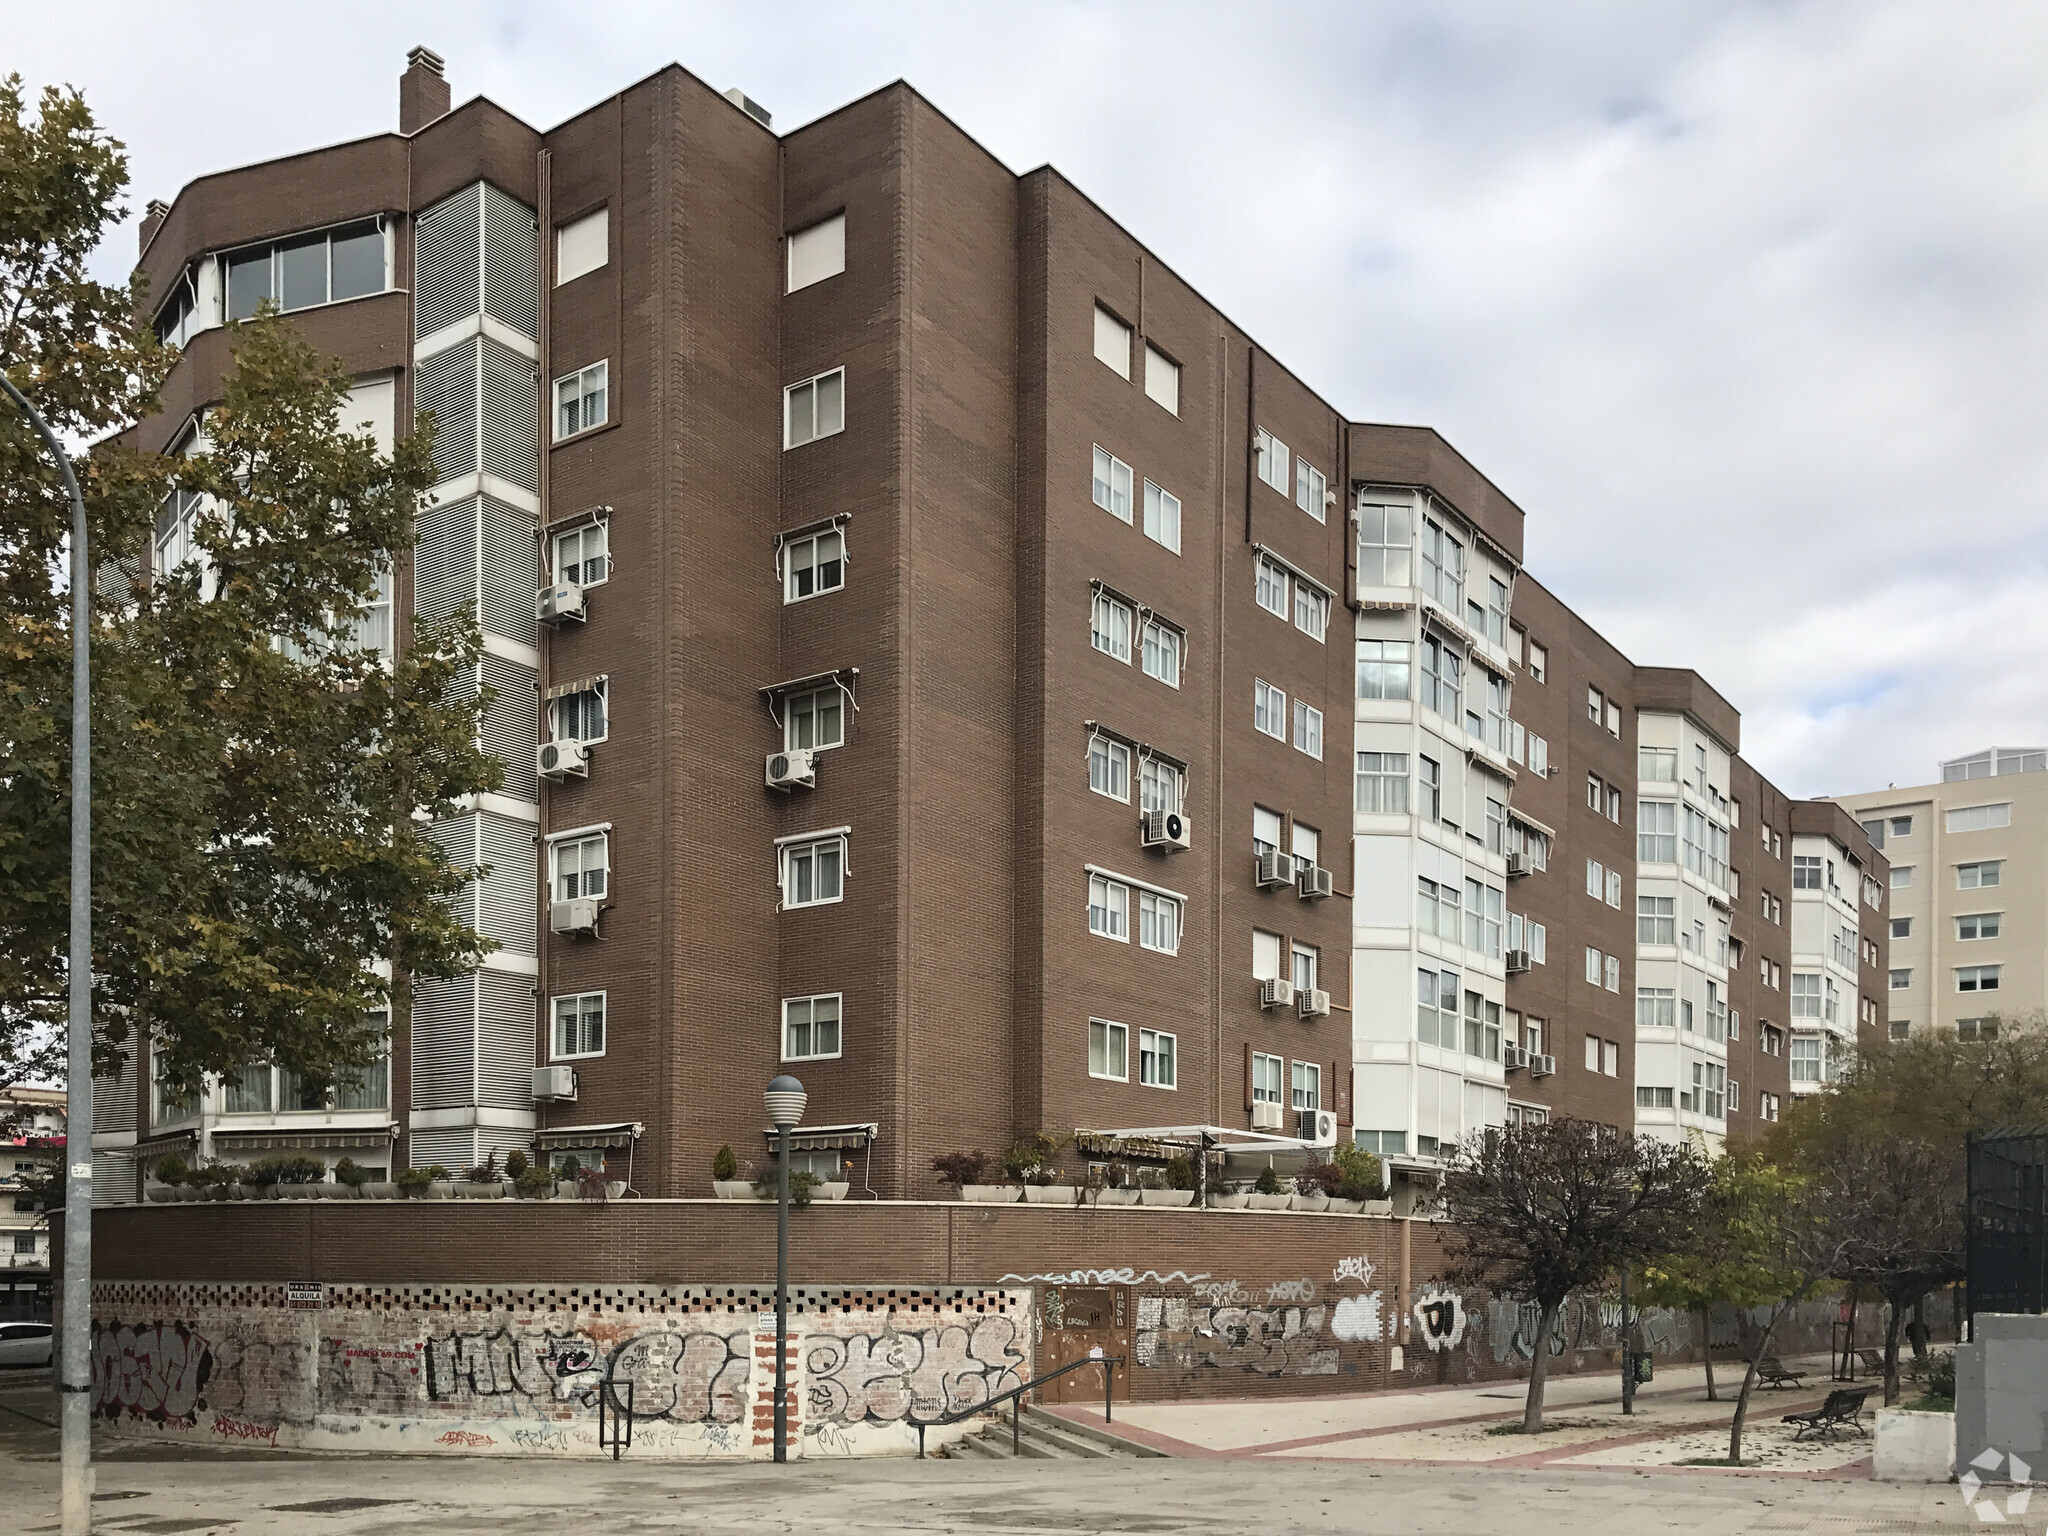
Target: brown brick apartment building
column 937, row 681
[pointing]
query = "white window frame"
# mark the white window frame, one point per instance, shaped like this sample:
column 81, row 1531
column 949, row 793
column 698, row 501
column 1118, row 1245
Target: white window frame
column 1151, row 1056
column 1162, row 786
column 838, row 1021
column 1162, row 517
column 1111, row 485
column 1980, row 818
column 1162, row 380
column 1113, row 1035
column 1971, row 926
column 567, row 729
column 1159, row 922
column 1269, row 709
column 1273, row 461
column 597, row 531
column 822, row 247
column 580, row 1025
column 794, row 854
column 1115, row 759
column 814, row 543
column 1308, row 729
column 581, row 395
column 599, row 890
column 572, row 264
column 1978, row 978
column 814, row 698
column 1112, row 899
column 1976, row 882
column 1111, row 620
column 1160, row 649
column 1307, row 962
column 1311, row 610
column 1269, row 590
column 1310, row 487
column 801, row 398
column 1268, row 1067
column 1109, row 333
column 1305, row 1085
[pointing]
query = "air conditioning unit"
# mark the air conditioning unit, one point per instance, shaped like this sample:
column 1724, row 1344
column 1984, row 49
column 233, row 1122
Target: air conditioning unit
column 1312, row 1003
column 1266, row 1116
column 563, row 759
column 1275, row 868
column 1317, row 1127
column 556, row 1083
column 1518, row 864
column 1518, row 961
column 788, row 770
column 1514, row 1057
column 562, row 603
column 577, row 916
column 1314, row 882
column 1163, row 829
column 1542, row 1066
column 1276, row 992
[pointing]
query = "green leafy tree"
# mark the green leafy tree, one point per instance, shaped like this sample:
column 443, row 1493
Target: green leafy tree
column 263, row 765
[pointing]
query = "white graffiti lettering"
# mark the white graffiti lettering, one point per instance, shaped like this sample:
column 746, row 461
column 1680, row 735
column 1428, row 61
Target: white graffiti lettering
column 1358, row 1268
column 1106, row 1277
column 1357, row 1318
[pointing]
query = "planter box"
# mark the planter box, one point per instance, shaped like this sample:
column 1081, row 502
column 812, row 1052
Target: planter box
column 831, row 1189
column 1166, row 1197
column 1378, row 1208
column 1259, row 1202
column 724, row 1189
column 565, row 1189
column 385, row 1191
column 1050, row 1194
column 469, row 1191
column 1228, row 1202
column 1913, row 1447
column 1346, row 1207
column 161, row 1194
column 1116, row 1197
column 615, row 1189
column 989, row 1194
column 441, row 1189
column 1309, row 1203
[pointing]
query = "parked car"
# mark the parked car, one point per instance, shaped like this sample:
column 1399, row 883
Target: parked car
column 28, row 1344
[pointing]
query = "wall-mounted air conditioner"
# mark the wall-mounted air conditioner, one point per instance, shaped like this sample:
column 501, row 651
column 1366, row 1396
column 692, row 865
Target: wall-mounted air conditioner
column 1267, row 1115
column 791, row 769
column 562, row 603
column 1312, row 1003
column 1542, row 1066
column 576, row 916
column 1166, row 830
column 1273, row 869
column 1276, row 992
column 1518, row 961
column 1518, row 864
column 1514, row 1057
column 1313, row 882
column 563, row 759
column 1317, row 1127
column 554, row 1083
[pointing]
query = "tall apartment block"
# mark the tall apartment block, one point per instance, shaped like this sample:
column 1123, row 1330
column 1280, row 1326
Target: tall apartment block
column 1969, row 913
column 918, row 628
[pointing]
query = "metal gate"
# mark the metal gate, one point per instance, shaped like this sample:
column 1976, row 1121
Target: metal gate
column 1080, row 1321
column 2008, row 1220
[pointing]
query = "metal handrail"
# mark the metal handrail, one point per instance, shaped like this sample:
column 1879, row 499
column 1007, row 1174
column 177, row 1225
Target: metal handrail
column 1015, row 1395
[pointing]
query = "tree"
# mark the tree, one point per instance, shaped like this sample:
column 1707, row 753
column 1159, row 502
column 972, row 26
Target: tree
column 264, row 763
column 1724, row 1258
column 1540, row 1211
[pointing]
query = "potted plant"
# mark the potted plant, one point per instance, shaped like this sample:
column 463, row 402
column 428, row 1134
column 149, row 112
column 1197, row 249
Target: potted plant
column 1119, row 1184
column 803, row 1185
column 1229, row 1199
column 529, row 1181
column 1266, row 1194
column 171, row 1173
column 965, row 1171
column 591, row 1184
column 291, row 1178
column 1030, row 1163
column 726, row 1182
column 412, row 1183
column 567, row 1172
column 352, row 1176
column 440, row 1183
column 1172, row 1185
column 1353, row 1178
column 484, row 1181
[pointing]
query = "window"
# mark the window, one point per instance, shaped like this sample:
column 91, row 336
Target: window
column 580, row 716
column 1902, row 927
column 1429, row 783
column 1657, row 831
column 1307, row 960
column 816, row 720
column 1656, row 1008
column 1269, row 710
column 1436, row 1008
column 1977, row 978
column 1978, row 818
column 1436, row 909
column 1595, row 703
column 1311, row 610
column 1308, row 729
column 1383, row 669
column 1496, row 826
column 1613, row 719
column 582, row 866
column 1806, row 872
column 813, row 409
column 1158, row 922
column 1594, row 881
column 1596, row 793
column 1159, row 652
column 24, row 1242
column 1593, row 965
column 1539, row 754
column 1653, row 1098
column 1655, row 765
column 1805, row 1059
column 177, row 322
column 1874, row 830
column 1443, row 566
column 1307, row 1086
column 1614, row 888
column 1265, row 955
column 1307, row 846
column 1113, row 486
column 326, row 268
column 1497, row 611
column 1771, row 1040
column 1539, row 662
column 1977, row 1029
column 1979, row 925
column 1767, row 1106
column 811, row 871
column 813, row 565
column 1109, row 628
column 1309, row 489
column 818, row 252
column 1109, row 909
column 1482, row 1027
column 582, row 400
column 1266, row 1078
column 583, row 245
column 1902, row 826
column 1271, row 590
column 1902, row 876
column 1592, row 1053
column 810, row 1027
column 579, row 1025
column 1656, row 920
column 1162, row 786
column 1109, row 768
column 1902, row 979
column 1381, row 785
column 1162, row 517
column 1613, row 977
column 1528, row 935
column 1272, row 456
column 1109, row 1050
column 1386, row 545
column 582, row 555
column 1112, row 343
column 1806, row 994
column 1709, row 1090
column 1156, row 1058
column 1971, row 877
column 1162, row 379
column 1442, row 677
column 1265, row 833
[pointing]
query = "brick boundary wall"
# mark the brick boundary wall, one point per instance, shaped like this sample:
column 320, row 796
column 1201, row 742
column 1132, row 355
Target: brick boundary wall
column 474, row 1326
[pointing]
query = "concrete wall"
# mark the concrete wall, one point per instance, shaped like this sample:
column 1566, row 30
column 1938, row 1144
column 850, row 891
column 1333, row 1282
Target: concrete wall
column 2002, row 1397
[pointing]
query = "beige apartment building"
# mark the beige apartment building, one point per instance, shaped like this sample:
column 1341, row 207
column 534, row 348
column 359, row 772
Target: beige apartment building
column 1969, row 890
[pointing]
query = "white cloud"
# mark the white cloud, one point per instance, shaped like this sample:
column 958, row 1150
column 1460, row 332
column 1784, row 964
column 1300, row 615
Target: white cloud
column 1744, row 303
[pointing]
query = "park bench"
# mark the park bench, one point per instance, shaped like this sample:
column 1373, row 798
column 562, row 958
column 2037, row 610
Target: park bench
column 1873, row 1360
column 1771, row 1372
column 1840, row 1408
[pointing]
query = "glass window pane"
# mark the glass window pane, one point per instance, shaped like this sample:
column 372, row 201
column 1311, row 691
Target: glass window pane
column 303, row 269
column 831, row 398
column 248, row 283
column 358, row 262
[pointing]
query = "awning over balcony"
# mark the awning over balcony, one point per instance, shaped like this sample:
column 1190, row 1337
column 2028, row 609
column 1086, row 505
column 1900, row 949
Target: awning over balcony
column 377, row 1140
column 826, row 1138
column 621, row 1133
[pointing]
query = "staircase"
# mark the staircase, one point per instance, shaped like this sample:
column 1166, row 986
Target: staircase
column 1044, row 1436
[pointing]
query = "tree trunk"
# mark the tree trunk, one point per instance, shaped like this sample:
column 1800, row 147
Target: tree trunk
column 1916, row 1331
column 1539, row 1370
column 1894, row 1315
column 1763, row 1347
column 1707, row 1351
column 1848, row 1371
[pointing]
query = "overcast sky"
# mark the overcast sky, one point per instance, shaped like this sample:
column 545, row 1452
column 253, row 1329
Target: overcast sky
column 1745, row 304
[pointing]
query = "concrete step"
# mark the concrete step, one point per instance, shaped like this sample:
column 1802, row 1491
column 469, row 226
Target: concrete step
column 1109, row 1441
column 1057, row 1437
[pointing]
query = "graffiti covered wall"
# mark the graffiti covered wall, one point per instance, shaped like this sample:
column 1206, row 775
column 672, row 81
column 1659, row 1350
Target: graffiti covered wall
column 519, row 1370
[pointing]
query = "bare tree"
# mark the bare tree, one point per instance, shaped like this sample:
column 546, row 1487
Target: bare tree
column 1540, row 1211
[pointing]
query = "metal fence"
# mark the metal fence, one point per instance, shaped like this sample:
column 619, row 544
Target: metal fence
column 2008, row 1220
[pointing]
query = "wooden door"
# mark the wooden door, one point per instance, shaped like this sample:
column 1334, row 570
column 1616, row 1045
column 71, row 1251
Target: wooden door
column 1077, row 1321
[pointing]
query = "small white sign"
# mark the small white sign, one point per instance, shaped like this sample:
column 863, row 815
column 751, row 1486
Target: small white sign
column 765, row 1320
column 81, row 1170
column 1095, row 1352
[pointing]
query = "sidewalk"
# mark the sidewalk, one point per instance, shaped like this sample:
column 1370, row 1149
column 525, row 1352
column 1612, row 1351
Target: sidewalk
column 1673, row 1423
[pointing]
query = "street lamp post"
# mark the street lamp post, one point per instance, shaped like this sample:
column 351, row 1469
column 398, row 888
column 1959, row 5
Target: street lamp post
column 785, row 1099
column 74, row 1371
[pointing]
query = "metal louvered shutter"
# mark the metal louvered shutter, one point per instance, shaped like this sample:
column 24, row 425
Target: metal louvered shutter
column 113, row 1098
column 509, row 415
column 454, row 1150
column 509, row 565
column 507, row 902
column 114, row 1180
column 447, row 260
column 511, row 263
column 510, row 728
column 444, row 1042
column 504, row 1040
column 501, row 1140
column 446, row 384
column 444, row 561
column 457, row 838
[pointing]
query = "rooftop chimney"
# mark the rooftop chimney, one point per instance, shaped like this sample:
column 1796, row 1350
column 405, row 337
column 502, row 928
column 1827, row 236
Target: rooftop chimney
column 422, row 93
column 152, row 221
column 748, row 105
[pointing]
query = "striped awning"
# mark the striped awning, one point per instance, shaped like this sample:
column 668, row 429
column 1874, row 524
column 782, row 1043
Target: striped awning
column 621, row 1134
column 279, row 1141
column 825, row 1138
column 184, row 1142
